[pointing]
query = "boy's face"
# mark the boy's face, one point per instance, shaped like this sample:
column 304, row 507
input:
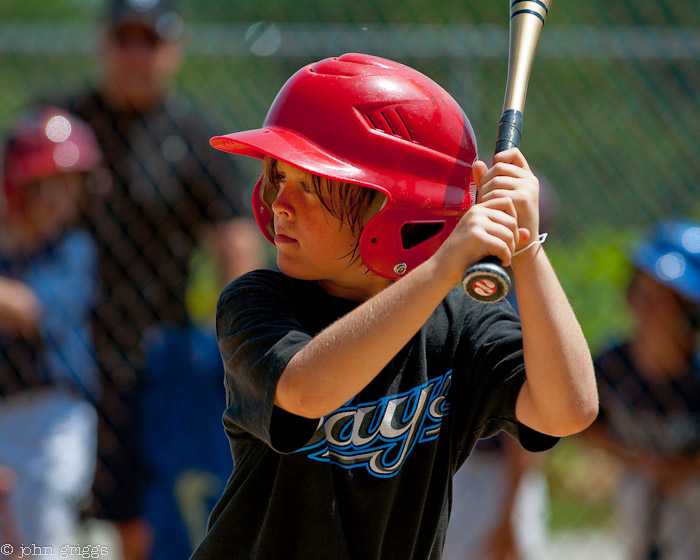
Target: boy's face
column 52, row 203
column 311, row 243
column 657, row 306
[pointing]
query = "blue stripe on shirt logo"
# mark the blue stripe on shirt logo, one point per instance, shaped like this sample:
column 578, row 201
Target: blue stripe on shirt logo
column 380, row 435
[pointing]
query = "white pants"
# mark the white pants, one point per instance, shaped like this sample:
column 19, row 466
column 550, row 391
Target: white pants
column 479, row 490
column 674, row 523
column 50, row 440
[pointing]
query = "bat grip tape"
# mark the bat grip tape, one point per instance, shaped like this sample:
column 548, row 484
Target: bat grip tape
column 509, row 130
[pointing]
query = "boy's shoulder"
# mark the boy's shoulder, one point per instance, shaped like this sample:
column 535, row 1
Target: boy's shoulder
column 260, row 279
column 270, row 291
column 264, row 283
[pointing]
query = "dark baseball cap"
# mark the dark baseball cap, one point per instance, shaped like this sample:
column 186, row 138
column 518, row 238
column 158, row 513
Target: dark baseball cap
column 158, row 15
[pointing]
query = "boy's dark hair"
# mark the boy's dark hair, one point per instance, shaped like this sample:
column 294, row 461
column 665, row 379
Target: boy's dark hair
column 348, row 202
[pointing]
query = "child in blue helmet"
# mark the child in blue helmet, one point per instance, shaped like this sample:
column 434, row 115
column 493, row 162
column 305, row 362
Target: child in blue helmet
column 650, row 397
column 358, row 378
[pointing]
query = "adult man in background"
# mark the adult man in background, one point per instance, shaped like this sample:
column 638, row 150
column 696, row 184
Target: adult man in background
column 170, row 194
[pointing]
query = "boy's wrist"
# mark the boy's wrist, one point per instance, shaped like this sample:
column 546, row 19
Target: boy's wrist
column 533, row 244
column 529, row 256
column 438, row 276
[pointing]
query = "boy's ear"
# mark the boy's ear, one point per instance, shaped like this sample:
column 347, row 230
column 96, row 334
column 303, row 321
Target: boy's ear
column 378, row 202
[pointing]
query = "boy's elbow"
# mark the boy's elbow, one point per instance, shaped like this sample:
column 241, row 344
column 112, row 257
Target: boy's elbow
column 585, row 414
column 582, row 413
column 559, row 418
column 575, row 421
column 296, row 400
column 583, row 404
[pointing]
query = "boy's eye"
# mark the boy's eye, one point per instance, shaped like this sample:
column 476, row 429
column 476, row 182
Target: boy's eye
column 277, row 180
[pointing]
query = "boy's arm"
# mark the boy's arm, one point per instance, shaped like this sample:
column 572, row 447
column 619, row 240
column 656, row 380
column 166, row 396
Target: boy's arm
column 560, row 396
column 343, row 358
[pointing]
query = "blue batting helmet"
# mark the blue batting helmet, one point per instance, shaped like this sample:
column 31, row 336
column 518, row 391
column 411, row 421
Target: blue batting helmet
column 671, row 254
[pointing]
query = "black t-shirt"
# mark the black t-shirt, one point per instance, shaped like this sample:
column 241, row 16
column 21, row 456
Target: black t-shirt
column 167, row 183
column 373, row 479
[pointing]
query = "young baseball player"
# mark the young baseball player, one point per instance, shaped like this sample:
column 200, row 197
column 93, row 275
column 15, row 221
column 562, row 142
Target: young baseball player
column 650, row 397
column 48, row 377
column 358, row 378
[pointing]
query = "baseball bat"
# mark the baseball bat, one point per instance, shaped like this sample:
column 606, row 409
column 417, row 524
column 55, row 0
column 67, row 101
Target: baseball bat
column 487, row 281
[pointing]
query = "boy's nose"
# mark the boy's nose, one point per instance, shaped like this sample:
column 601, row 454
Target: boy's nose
column 282, row 206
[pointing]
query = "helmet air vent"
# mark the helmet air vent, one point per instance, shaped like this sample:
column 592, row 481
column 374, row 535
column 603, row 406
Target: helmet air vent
column 389, row 120
column 415, row 233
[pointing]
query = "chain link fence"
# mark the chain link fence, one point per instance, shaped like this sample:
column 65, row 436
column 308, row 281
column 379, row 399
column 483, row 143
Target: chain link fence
column 612, row 125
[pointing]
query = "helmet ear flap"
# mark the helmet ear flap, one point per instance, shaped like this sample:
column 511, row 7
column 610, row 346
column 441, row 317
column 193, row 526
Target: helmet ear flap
column 394, row 244
column 262, row 209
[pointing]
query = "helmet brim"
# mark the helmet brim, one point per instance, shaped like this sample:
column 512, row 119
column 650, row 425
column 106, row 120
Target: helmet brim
column 293, row 148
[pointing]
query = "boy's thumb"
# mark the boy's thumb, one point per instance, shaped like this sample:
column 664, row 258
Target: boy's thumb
column 479, row 169
column 523, row 236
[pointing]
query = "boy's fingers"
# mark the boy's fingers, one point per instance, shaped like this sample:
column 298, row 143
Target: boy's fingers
column 479, row 169
column 513, row 156
column 502, row 203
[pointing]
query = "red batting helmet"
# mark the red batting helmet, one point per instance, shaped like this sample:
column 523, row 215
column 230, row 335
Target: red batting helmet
column 376, row 123
column 44, row 142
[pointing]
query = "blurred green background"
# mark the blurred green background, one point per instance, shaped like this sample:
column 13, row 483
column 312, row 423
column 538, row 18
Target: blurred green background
column 612, row 121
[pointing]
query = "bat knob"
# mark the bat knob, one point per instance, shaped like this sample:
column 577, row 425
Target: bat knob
column 486, row 281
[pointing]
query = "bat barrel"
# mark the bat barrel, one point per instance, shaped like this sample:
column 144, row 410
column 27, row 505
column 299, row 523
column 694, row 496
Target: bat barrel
column 538, row 8
column 527, row 18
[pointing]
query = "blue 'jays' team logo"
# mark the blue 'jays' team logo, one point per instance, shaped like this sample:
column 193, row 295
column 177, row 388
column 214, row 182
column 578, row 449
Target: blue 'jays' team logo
column 380, row 435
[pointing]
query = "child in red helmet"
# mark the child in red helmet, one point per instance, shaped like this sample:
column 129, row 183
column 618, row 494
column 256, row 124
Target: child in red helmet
column 358, row 378
column 48, row 379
